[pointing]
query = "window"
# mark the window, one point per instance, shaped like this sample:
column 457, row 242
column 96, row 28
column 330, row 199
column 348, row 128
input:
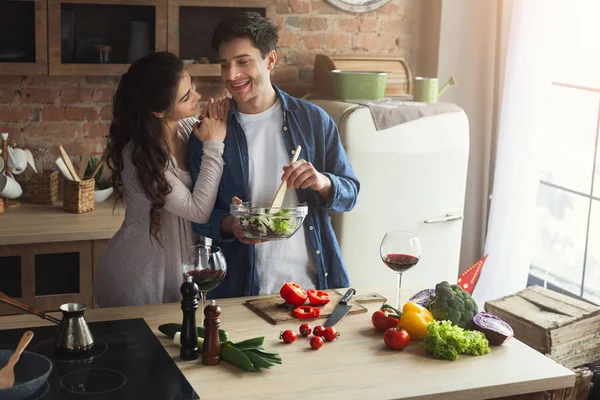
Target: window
column 566, row 251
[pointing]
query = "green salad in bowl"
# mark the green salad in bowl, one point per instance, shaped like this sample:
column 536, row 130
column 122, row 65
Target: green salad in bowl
column 258, row 221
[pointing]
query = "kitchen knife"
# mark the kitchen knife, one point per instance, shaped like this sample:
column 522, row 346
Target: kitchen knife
column 341, row 309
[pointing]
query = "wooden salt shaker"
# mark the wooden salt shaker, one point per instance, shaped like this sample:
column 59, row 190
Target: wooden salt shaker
column 212, row 347
column 189, row 330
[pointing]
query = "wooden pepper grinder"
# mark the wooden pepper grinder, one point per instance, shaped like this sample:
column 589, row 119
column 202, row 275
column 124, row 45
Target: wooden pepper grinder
column 189, row 330
column 212, row 347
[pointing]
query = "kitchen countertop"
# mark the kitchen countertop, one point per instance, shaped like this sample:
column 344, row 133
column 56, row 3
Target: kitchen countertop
column 32, row 223
column 357, row 365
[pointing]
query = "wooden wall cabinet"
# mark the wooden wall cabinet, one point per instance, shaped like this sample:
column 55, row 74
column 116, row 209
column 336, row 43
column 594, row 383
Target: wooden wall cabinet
column 23, row 46
column 48, row 256
column 68, row 33
column 192, row 22
column 98, row 247
column 76, row 27
column 51, row 274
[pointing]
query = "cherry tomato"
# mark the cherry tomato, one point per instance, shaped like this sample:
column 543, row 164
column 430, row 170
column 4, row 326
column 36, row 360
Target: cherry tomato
column 287, row 336
column 395, row 338
column 305, row 330
column 331, row 334
column 316, row 342
column 384, row 319
column 318, row 331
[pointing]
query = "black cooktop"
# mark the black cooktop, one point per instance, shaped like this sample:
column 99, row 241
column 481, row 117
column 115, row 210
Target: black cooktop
column 126, row 362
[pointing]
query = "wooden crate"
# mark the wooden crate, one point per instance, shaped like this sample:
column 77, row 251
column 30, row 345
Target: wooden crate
column 580, row 391
column 563, row 328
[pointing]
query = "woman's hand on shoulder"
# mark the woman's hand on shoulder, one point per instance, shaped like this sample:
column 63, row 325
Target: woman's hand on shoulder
column 218, row 109
column 211, row 129
column 213, row 116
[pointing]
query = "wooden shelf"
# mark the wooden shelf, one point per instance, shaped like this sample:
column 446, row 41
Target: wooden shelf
column 204, row 69
column 89, row 69
column 40, row 66
column 57, row 66
column 32, row 223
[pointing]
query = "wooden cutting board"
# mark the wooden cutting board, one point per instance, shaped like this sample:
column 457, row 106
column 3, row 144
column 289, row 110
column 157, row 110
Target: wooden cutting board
column 269, row 307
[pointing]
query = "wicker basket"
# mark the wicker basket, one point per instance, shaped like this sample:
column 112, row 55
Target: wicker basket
column 78, row 197
column 44, row 188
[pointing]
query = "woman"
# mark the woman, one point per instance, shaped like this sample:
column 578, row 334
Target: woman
column 153, row 110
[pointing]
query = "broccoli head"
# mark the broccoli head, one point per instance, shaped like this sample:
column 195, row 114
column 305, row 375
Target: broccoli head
column 452, row 303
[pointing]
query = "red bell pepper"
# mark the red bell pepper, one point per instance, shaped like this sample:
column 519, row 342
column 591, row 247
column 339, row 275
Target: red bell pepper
column 293, row 294
column 386, row 317
column 307, row 312
column 318, row 297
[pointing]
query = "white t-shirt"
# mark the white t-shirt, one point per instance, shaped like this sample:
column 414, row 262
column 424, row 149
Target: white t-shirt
column 282, row 260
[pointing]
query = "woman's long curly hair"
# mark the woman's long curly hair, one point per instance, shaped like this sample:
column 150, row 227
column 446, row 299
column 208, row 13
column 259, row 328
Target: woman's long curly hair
column 149, row 86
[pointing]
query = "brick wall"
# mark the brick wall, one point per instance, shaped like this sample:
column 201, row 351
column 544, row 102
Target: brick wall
column 75, row 111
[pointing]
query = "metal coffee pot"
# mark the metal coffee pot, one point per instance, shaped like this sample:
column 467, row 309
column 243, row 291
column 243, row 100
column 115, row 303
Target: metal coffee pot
column 73, row 335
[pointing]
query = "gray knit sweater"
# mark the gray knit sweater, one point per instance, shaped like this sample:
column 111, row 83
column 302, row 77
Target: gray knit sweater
column 135, row 269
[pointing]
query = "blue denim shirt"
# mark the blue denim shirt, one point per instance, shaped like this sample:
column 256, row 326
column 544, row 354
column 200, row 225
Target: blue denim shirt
column 307, row 125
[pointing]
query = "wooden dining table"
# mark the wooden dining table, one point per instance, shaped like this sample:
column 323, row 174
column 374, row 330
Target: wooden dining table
column 356, row 366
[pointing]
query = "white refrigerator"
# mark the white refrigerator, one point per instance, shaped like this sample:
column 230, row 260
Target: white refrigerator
column 413, row 177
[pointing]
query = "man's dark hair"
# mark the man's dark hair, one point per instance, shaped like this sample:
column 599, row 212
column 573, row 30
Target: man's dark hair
column 258, row 29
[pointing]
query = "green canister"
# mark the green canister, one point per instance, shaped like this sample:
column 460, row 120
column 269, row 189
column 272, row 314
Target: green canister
column 358, row 85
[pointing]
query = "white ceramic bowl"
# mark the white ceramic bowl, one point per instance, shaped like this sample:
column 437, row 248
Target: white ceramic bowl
column 101, row 195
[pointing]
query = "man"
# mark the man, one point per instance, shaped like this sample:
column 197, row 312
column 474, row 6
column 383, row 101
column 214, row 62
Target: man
column 265, row 126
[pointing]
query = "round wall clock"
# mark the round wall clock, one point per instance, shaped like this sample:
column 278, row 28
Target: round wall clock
column 358, row 6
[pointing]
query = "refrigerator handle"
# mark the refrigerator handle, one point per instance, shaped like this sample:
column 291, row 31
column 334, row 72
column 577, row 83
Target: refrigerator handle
column 447, row 218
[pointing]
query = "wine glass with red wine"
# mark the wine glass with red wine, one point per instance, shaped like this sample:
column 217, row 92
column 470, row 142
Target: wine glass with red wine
column 400, row 251
column 206, row 266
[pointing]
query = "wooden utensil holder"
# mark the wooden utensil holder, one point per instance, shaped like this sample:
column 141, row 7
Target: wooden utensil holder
column 78, row 197
column 44, row 187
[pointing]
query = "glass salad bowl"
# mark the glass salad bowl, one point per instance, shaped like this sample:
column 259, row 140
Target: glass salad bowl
column 257, row 221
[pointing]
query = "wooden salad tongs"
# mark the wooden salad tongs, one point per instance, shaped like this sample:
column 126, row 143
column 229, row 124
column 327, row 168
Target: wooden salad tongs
column 280, row 193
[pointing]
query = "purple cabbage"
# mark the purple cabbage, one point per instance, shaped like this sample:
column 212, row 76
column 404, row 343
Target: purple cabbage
column 423, row 298
column 495, row 330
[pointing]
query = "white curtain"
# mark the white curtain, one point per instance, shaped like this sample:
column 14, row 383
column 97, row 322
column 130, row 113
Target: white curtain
column 516, row 175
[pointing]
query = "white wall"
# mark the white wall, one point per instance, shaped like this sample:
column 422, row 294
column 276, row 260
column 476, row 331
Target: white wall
column 467, row 51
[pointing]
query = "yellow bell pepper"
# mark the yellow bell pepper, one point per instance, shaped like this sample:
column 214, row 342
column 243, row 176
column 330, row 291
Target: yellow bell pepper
column 414, row 320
